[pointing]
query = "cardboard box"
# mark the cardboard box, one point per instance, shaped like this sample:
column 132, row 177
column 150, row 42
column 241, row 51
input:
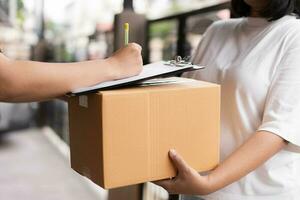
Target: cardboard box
column 122, row 137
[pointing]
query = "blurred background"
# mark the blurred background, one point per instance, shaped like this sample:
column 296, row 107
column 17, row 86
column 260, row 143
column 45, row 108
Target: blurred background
column 77, row 30
column 34, row 136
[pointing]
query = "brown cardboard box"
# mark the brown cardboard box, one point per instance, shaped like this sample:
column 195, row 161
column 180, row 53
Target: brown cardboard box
column 122, row 137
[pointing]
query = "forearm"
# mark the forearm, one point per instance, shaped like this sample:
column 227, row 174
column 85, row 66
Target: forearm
column 22, row 81
column 255, row 151
column 35, row 81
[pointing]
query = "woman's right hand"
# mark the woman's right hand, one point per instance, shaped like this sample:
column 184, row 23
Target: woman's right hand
column 127, row 61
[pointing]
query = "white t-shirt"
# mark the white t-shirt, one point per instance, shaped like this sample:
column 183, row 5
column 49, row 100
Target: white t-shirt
column 257, row 64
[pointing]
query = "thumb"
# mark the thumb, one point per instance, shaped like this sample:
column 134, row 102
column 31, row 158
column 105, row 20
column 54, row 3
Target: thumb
column 135, row 45
column 178, row 162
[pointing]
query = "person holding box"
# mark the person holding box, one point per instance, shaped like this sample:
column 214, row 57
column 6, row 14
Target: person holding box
column 25, row 81
column 255, row 59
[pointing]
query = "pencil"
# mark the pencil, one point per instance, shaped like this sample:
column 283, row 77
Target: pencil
column 126, row 30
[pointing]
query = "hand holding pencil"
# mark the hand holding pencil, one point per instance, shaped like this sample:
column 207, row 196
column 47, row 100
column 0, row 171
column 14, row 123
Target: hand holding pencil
column 128, row 59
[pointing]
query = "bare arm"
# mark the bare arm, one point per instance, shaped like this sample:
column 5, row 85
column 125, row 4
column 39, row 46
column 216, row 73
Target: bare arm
column 22, row 81
column 255, row 151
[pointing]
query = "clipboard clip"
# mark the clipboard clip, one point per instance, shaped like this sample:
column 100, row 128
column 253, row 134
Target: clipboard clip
column 179, row 62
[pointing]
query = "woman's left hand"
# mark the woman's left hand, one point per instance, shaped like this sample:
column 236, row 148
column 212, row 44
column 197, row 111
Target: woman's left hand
column 187, row 181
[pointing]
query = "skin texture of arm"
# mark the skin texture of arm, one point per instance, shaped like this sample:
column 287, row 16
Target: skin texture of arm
column 23, row 81
column 260, row 147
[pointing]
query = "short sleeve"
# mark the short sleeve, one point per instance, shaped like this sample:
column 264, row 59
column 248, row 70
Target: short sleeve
column 282, row 108
column 202, row 46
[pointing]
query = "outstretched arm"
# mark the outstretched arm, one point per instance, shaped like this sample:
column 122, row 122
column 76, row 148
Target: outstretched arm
column 255, row 151
column 22, row 81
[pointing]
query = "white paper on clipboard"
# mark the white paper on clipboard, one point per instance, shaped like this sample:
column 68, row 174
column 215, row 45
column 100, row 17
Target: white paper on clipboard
column 149, row 71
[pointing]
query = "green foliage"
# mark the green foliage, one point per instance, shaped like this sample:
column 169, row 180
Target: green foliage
column 20, row 11
column 162, row 29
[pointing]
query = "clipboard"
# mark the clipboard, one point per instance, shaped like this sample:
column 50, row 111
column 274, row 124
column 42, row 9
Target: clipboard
column 160, row 69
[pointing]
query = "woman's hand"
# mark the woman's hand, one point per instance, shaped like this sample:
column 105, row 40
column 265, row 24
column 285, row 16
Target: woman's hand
column 187, row 181
column 127, row 61
column 260, row 147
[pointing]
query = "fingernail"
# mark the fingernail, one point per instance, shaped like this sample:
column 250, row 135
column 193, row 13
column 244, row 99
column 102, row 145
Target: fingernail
column 172, row 152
